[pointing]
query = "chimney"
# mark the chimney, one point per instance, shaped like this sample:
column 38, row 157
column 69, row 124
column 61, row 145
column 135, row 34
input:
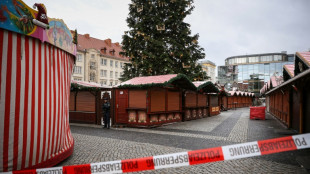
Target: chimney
column 87, row 36
column 117, row 44
column 108, row 42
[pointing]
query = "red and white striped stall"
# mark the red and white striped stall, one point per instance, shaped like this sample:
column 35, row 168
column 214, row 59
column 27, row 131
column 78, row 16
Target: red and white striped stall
column 34, row 100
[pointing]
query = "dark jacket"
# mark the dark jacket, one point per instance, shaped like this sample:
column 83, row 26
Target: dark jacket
column 106, row 108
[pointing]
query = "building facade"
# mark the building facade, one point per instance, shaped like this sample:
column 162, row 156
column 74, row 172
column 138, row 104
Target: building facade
column 98, row 61
column 250, row 72
column 209, row 67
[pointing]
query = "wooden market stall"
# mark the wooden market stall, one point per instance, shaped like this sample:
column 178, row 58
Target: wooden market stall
column 223, row 99
column 195, row 104
column 151, row 101
column 238, row 99
column 209, row 89
column 86, row 100
column 290, row 101
column 36, row 62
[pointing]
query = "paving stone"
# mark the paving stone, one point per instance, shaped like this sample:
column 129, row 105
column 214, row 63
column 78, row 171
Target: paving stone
column 94, row 144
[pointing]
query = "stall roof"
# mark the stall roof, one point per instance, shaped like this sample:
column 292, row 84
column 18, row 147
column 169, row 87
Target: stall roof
column 179, row 80
column 305, row 56
column 289, row 69
column 299, row 76
column 87, row 85
column 276, row 81
column 207, row 87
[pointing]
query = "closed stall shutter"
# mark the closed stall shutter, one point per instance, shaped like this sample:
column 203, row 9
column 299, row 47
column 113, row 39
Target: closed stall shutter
column 225, row 101
column 158, row 100
column 72, row 101
column 190, row 100
column 202, row 100
column 213, row 101
column 173, row 101
column 85, row 101
column 137, row 98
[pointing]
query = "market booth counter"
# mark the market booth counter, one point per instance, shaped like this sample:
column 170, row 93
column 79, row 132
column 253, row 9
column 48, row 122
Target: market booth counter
column 151, row 101
column 211, row 92
column 86, row 100
column 36, row 62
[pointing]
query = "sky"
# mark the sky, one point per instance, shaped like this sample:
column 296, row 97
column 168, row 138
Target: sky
column 226, row 27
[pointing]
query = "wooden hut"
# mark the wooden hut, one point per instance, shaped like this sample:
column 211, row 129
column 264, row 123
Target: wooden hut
column 209, row 89
column 35, row 78
column 223, row 98
column 86, row 100
column 151, row 101
column 195, row 103
column 290, row 101
column 238, row 99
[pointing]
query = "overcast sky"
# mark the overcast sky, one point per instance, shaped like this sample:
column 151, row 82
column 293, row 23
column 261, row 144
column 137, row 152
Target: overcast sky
column 226, row 27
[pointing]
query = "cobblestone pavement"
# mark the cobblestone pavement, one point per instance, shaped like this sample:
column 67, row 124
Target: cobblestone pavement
column 94, row 144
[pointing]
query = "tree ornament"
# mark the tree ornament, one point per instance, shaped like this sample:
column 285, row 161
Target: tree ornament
column 160, row 27
column 161, row 4
column 140, row 8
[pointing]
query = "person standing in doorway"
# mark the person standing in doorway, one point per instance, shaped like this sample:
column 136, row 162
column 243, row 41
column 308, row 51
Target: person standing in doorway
column 106, row 113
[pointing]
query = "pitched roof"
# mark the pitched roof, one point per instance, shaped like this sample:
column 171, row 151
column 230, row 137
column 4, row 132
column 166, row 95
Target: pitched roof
column 87, row 42
column 81, row 85
column 305, row 56
column 207, row 87
column 289, row 69
column 275, row 81
column 179, row 80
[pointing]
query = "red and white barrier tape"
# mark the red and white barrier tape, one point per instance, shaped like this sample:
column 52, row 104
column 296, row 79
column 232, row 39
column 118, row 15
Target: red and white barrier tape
column 244, row 150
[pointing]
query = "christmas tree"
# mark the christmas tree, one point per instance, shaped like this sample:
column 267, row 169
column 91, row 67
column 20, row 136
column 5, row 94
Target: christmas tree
column 159, row 41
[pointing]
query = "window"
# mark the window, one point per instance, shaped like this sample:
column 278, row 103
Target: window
column 79, row 58
column 101, row 73
column 266, row 58
column 93, row 65
column 78, row 79
column 111, row 83
column 102, row 61
column 92, row 55
column 105, row 62
column 111, row 74
column 92, row 77
column 116, row 82
column 116, row 64
column 77, row 70
column 116, row 74
column 111, row 63
column 104, row 73
column 253, row 59
column 121, row 64
column 277, row 57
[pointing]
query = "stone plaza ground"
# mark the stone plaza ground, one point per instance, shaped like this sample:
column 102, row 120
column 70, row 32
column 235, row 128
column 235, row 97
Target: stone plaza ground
column 94, row 144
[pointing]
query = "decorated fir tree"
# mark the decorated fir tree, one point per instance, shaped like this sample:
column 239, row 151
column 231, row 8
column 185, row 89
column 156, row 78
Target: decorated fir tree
column 159, row 41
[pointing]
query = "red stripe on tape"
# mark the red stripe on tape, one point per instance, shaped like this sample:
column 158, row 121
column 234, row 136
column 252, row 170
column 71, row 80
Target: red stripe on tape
column 276, row 145
column 32, row 171
column 205, row 155
column 78, row 169
column 139, row 164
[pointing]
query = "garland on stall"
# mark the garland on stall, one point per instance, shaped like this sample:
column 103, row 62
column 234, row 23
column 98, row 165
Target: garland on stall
column 174, row 81
column 208, row 87
column 77, row 87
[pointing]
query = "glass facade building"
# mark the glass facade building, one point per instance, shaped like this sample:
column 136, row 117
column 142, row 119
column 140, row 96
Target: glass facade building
column 250, row 72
